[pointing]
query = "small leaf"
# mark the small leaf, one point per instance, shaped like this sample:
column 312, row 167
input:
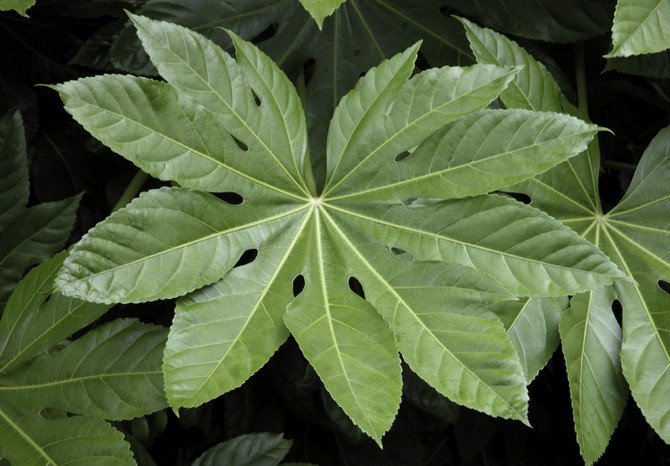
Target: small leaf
column 112, row 372
column 319, row 9
column 591, row 341
column 640, row 27
column 37, row 317
column 28, row 438
column 261, row 449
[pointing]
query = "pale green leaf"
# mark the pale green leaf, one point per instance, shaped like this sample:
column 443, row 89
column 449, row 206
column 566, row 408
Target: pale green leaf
column 30, row 439
column 252, row 100
column 344, row 338
column 214, row 329
column 36, row 317
column 640, row 26
column 533, row 88
column 477, row 154
column 35, row 236
column 435, row 311
column 591, row 341
column 261, row 449
column 20, row 6
column 172, row 241
column 13, row 168
column 319, row 9
column 532, row 325
column 525, row 250
column 422, row 105
column 112, row 372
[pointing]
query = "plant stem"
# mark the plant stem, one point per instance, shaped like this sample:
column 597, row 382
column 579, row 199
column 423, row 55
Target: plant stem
column 580, row 72
column 131, row 190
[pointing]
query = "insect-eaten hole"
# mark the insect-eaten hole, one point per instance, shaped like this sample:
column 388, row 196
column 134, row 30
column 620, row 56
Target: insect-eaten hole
column 256, row 98
column 308, row 69
column 402, row 156
column 521, row 197
column 247, row 257
column 665, row 286
column 401, row 253
column 298, row 285
column 243, row 147
column 230, row 198
column 617, row 310
column 356, row 287
column 266, row 33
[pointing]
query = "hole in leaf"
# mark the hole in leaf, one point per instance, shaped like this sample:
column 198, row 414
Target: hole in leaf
column 240, row 144
column 617, row 309
column 308, row 68
column 398, row 251
column 402, row 156
column 410, row 201
column 521, row 197
column 230, row 198
column 298, row 285
column 266, row 33
column 256, row 98
column 665, row 286
column 356, row 287
column 247, row 257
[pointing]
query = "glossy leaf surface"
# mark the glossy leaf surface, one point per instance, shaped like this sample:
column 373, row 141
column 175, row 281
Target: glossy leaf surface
column 640, row 27
column 371, row 256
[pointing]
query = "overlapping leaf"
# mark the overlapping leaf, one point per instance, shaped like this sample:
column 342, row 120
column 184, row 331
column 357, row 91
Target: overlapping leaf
column 319, row 9
column 112, row 372
column 20, row 6
column 376, row 235
column 634, row 234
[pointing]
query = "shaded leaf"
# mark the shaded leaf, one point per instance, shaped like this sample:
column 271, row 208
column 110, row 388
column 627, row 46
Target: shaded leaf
column 36, row 317
column 14, row 184
column 261, row 449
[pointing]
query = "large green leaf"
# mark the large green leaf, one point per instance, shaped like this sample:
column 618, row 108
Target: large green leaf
column 640, row 26
column 375, row 264
column 36, row 317
column 634, row 235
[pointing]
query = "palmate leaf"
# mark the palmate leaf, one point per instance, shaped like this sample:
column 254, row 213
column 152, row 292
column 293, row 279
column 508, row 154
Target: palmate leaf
column 640, row 27
column 181, row 241
column 634, row 235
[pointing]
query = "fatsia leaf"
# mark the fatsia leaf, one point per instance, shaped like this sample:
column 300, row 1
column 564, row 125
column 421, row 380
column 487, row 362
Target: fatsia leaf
column 36, row 317
column 319, row 9
column 533, row 88
column 634, row 235
column 373, row 281
column 261, row 449
column 13, row 168
column 640, row 27
column 345, row 339
column 29, row 438
column 33, row 237
column 591, row 341
column 532, row 325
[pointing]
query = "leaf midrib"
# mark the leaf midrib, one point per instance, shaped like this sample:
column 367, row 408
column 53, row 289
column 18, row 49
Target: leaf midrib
column 78, row 379
column 27, row 438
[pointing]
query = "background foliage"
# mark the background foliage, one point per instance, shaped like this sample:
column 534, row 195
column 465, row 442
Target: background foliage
column 63, row 40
